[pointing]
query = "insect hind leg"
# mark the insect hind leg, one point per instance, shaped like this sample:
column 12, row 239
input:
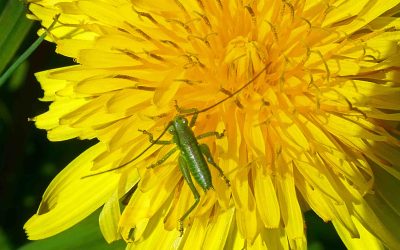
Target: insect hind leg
column 186, row 175
column 151, row 139
column 206, row 152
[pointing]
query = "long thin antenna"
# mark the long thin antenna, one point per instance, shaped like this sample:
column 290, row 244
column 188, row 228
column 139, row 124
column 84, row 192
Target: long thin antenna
column 136, row 157
column 234, row 93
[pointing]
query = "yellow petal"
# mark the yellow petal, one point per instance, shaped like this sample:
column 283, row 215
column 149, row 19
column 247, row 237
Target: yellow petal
column 276, row 239
column 343, row 127
column 109, row 218
column 218, row 230
column 51, row 119
column 69, row 199
column 267, row 201
column 196, row 236
column 246, row 213
column 316, row 200
column 103, row 12
column 72, row 48
column 366, row 240
column 47, row 10
column 290, row 209
column 370, row 11
column 157, row 237
column 105, row 59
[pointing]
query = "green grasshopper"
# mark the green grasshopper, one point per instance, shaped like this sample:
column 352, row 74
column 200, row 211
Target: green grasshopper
column 193, row 156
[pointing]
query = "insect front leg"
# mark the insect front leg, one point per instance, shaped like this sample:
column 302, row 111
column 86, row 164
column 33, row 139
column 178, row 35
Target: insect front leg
column 206, row 152
column 212, row 133
column 193, row 111
column 164, row 158
column 167, row 155
column 150, row 135
column 186, row 175
column 194, row 118
column 185, row 111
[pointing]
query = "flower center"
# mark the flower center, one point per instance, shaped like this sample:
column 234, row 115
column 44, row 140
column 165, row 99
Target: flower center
column 244, row 57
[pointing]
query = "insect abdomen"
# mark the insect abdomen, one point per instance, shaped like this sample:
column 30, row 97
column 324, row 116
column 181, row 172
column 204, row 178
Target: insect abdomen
column 197, row 166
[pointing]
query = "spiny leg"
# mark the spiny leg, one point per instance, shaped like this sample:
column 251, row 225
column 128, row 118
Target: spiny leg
column 185, row 111
column 164, row 158
column 193, row 111
column 150, row 135
column 194, row 119
column 211, row 133
column 186, row 175
column 206, row 152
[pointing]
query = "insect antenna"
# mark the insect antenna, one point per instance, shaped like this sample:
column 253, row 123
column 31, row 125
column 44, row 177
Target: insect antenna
column 231, row 95
column 135, row 158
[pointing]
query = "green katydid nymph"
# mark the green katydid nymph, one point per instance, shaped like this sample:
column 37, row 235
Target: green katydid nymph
column 192, row 159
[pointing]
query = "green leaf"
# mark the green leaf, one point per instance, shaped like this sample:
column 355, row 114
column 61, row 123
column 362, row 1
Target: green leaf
column 4, row 244
column 85, row 235
column 14, row 27
column 18, row 77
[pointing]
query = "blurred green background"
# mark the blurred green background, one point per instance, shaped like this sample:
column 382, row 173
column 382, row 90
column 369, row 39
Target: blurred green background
column 29, row 161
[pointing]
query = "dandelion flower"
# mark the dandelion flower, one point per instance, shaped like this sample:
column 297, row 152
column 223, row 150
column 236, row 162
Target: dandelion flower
column 316, row 129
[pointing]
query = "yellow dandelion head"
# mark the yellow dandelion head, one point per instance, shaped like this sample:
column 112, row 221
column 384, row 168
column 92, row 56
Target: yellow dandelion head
column 307, row 93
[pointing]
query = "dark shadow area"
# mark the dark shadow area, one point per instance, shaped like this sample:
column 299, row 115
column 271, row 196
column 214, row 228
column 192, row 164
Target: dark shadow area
column 28, row 161
column 321, row 235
